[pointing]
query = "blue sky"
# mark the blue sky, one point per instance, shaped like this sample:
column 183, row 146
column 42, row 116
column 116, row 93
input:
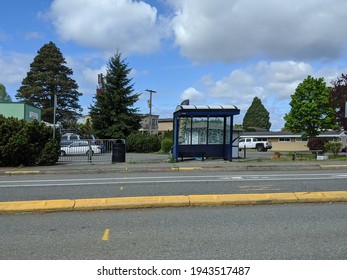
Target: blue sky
column 211, row 52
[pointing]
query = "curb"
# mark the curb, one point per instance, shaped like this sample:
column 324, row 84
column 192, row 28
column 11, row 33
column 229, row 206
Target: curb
column 170, row 201
column 22, row 172
column 141, row 169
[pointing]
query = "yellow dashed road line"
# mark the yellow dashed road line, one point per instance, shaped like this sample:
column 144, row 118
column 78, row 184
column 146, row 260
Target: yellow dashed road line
column 106, row 235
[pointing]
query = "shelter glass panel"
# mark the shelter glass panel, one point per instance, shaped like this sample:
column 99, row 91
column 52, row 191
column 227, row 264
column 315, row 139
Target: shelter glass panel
column 216, row 131
column 227, row 130
column 199, row 131
column 185, row 131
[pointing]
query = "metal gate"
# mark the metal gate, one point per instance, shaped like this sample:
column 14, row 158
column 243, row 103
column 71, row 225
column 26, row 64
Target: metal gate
column 86, row 150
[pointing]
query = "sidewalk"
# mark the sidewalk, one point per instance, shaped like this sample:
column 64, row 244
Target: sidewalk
column 160, row 163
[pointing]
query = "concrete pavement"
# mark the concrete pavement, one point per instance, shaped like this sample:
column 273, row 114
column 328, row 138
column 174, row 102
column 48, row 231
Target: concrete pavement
column 160, row 163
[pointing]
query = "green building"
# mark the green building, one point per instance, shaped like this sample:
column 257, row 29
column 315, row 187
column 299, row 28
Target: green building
column 21, row 111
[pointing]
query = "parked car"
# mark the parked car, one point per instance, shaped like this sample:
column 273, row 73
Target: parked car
column 70, row 137
column 65, row 143
column 80, row 148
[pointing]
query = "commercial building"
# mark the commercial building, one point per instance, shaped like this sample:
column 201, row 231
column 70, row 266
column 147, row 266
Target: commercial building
column 21, row 111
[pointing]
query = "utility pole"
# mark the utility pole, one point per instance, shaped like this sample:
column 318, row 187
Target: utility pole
column 150, row 108
column 54, row 113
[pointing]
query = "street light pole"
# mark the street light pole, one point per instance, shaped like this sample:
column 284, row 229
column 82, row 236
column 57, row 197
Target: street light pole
column 150, row 109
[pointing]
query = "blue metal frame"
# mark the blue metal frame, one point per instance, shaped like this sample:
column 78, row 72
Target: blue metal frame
column 208, row 150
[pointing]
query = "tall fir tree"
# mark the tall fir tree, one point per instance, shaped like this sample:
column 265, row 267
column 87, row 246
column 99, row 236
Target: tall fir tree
column 113, row 115
column 49, row 76
column 257, row 116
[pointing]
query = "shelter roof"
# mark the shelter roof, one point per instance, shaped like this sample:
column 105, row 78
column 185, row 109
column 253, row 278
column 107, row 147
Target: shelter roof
column 206, row 110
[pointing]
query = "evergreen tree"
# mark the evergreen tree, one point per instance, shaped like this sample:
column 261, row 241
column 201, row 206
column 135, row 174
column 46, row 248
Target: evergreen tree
column 311, row 110
column 48, row 76
column 4, row 97
column 113, row 114
column 339, row 99
column 257, row 116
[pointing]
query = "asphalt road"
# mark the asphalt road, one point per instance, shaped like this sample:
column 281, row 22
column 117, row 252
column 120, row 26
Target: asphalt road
column 75, row 186
column 295, row 231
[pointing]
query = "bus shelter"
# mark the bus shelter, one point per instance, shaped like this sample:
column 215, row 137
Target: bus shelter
column 205, row 131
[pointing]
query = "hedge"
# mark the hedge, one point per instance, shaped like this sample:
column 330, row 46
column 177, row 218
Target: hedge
column 142, row 143
column 26, row 143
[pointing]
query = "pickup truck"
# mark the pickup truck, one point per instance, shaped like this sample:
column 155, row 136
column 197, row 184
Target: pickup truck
column 254, row 143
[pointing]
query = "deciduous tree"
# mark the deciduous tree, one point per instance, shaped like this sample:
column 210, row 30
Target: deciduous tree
column 339, row 98
column 311, row 110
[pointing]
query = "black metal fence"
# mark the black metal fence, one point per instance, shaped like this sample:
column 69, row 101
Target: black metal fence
column 86, row 150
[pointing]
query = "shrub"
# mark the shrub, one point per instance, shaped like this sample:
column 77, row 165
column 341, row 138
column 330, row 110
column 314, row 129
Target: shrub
column 317, row 144
column 166, row 145
column 50, row 153
column 26, row 143
column 333, row 147
column 9, row 127
column 168, row 134
column 142, row 143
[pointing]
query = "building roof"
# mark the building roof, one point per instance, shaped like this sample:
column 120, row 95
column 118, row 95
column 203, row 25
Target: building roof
column 288, row 134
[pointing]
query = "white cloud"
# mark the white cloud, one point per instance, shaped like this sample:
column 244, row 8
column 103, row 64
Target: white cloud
column 265, row 80
column 280, row 78
column 206, row 31
column 33, row 35
column 131, row 26
column 194, row 96
column 91, row 75
column 232, row 30
column 13, row 67
column 238, row 85
column 272, row 82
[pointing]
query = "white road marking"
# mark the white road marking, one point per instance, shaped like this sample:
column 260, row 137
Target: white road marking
column 167, row 179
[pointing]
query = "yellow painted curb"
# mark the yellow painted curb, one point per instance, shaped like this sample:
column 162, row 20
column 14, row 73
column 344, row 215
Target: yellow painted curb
column 335, row 196
column 185, row 168
column 171, row 201
column 131, row 202
column 24, row 172
column 338, row 196
column 243, row 199
column 278, row 198
column 200, row 200
column 333, row 166
column 37, row 205
column 190, row 168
